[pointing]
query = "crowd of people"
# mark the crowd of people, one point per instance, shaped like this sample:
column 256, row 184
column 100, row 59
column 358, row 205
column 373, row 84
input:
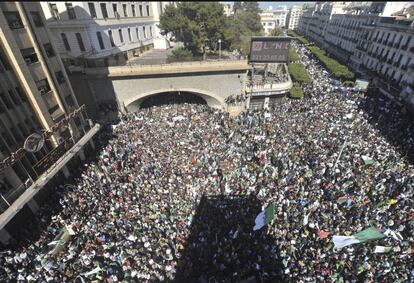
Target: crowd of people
column 173, row 196
column 236, row 98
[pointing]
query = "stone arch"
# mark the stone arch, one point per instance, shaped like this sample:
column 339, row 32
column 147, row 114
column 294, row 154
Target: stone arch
column 212, row 99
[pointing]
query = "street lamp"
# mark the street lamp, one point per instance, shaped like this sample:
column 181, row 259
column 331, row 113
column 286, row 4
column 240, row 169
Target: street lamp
column 219, row 41
column 205, row 48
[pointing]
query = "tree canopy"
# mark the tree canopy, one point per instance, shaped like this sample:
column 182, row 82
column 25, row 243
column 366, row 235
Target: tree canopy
column 194, row 22
column 277, row 31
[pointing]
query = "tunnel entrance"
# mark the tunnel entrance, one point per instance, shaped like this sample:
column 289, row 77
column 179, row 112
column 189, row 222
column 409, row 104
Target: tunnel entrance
column 173, row 97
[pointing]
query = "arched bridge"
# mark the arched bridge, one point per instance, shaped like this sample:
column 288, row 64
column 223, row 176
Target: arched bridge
column 129, row 86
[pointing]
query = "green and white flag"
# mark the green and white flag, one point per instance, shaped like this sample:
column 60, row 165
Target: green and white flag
column 264, row 217
column 360, row 237
column 381, row 249
column 367, row 160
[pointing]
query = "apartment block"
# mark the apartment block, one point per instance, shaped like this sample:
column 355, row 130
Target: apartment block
column 35, row 96
column 102, row 33
column 273, row 18
column 293, row 17
column 372, row 38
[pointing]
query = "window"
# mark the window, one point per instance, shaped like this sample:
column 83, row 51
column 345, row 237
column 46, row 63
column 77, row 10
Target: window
column 54, row 11
column 49, row 50
column 115, row 8
column 137, row 33
column 133, row 10
column 121, row 38
column 14, row 98
column 6, row 101
column 43, row 86
column 80, row 42
column 129, row 35
column 140, row 10
column 59, row 77
column 21, row 94
column 37, row 19
column 69, row 101
column 29, row 55
column 145, row 33
column 124, row 7
column 148, row 11
column 71, row 11
column 101, row 43
column 65, row 41
column 111, row 38
column 4, row 62
column 150, row 31
column 92, row 10
column 104, row 11
column 14, row 20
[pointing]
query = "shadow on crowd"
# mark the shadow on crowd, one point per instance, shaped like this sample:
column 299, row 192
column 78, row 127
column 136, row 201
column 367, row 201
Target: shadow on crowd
column 222, row 246
column 396, row 127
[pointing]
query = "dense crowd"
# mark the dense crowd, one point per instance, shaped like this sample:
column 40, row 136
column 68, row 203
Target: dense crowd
column 175, row 192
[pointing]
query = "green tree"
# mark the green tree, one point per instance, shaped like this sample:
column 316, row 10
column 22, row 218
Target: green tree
column 194, row 22
column 277, row 31
column 243, row 25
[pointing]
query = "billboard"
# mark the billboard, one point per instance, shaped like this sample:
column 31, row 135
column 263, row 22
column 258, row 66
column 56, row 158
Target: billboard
column 269, row 49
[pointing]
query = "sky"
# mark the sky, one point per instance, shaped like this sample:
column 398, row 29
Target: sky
column 265, row 5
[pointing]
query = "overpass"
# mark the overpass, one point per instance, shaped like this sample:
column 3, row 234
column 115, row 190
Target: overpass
column 130, row 85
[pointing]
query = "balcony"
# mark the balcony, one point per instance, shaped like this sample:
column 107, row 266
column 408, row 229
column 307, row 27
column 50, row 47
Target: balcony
column 390, row 44
column 397, row 45
column 396, row 64
column 389, row 61
column 384, row 42
column 404, row 67
column 412, row 49
column 404, row 47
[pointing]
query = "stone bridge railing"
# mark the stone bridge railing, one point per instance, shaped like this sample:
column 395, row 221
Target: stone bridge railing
column 173, row 68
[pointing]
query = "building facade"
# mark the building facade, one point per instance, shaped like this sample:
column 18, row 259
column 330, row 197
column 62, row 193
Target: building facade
column 35, row 95
column 293, row 17
column 271, row 19
column 101, row 33
column 228, row 9
column 367, row 36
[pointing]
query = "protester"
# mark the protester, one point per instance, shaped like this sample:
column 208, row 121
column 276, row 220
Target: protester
column 325, row 161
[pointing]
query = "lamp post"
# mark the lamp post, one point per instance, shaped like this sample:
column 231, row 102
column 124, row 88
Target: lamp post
column 205, row 48
column 219, row 41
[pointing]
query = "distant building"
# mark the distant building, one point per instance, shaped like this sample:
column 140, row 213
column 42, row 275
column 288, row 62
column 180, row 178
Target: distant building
column 375, row 39
column 228, row 9
column 293, row 17
column 271, row 19
column 101, row 33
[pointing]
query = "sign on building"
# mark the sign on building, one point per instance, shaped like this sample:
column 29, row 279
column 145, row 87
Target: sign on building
column 269, row 49
column 34, row 142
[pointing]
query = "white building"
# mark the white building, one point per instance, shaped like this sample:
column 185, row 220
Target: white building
column 364, row 36
column 274, row 18
column 228, row 9
column 293, row 17
column 101, row 31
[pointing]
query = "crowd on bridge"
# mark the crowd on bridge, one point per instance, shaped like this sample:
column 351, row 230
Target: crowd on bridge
column 174, row 194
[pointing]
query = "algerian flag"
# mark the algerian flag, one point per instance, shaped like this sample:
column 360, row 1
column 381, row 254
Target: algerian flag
column 360, row 237
column 264, row 217
column 381, row 249
column 367, row 160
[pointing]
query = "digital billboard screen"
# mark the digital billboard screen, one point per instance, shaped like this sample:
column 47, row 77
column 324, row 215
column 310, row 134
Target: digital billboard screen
column 270, row 49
